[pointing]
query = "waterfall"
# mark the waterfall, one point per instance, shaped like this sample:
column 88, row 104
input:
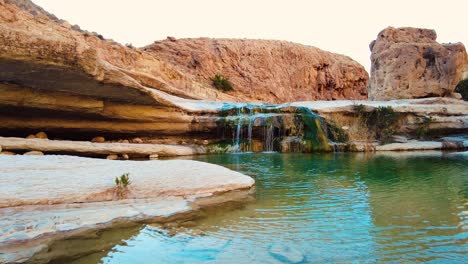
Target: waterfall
column 257, row 127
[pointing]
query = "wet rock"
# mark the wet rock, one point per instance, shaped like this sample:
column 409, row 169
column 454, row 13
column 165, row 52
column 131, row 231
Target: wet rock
column 98, row 140
column 41, row 135
column 112, row 157
column 125, row 157
column 153, row 156
column 286, row 254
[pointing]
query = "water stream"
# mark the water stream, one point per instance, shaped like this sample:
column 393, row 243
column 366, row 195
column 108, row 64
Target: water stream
column 268, row 128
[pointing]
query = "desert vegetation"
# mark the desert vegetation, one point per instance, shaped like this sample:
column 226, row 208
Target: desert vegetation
column 221, row 82
column 121, row 185
column 462, row 88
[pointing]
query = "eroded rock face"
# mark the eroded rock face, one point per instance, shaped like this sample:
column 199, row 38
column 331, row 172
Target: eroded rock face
column 64, row 81
column 266, row 70
column 409, row 63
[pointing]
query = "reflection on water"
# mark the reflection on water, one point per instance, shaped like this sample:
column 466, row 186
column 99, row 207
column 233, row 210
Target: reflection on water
column 323, row 208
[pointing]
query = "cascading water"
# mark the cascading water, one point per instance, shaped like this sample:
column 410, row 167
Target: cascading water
column 259, row 127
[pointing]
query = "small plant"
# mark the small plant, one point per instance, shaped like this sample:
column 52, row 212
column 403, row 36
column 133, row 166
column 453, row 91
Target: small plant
column 381, row 120
column 462, row 88
column 222, row 83
column 122, row 184
column 423, row 127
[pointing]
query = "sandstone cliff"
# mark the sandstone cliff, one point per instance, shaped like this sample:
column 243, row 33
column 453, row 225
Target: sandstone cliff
column 60, row 79
column 410, row 63
column 265, row 70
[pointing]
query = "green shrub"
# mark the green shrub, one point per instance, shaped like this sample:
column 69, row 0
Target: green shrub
column 423, row 127
column 381, row 121
column 462, row 88
column 222, row 83
column 121, row 184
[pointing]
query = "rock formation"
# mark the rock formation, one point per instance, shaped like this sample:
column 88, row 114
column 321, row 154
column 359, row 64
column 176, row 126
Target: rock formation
column 266, row 70
column 74, row 84
column 55, row 203
column 410, row 63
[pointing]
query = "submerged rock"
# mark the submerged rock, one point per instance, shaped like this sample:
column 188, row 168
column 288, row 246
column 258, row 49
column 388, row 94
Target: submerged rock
column 409, row 63
column 286, row 253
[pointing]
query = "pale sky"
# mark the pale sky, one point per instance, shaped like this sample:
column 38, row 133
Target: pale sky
column 345, row 27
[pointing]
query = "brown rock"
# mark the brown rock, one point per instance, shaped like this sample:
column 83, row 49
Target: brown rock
column 41, row 135
column 7, row 153
column 409, row 63
column 137, row 140
column 173, row 39
column 125, row 157
column 34, row 153
column 98, row 140
column 112, row 157
column 31, row 136
column 153, row 157
column 267, row 70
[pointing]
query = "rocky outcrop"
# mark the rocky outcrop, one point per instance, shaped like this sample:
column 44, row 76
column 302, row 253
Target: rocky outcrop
column 74, row 84
column 409, row 63
column 265, row 70
column 98, row 149
column 429, row 116
column 41, row 200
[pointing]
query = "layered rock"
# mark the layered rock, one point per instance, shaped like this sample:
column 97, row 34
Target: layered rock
column 74, row 84
column 266, row 70
column 41, row 200
column 410, row 63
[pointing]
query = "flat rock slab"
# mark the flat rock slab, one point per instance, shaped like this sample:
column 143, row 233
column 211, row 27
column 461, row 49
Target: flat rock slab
column 32, row 180
column 42, row 197
column 45, row 145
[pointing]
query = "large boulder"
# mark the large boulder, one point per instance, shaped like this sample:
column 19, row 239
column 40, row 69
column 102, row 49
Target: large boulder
column 266, row 70
column 409, row 63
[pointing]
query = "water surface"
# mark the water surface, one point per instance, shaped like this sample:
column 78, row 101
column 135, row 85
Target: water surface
column 316, row 208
